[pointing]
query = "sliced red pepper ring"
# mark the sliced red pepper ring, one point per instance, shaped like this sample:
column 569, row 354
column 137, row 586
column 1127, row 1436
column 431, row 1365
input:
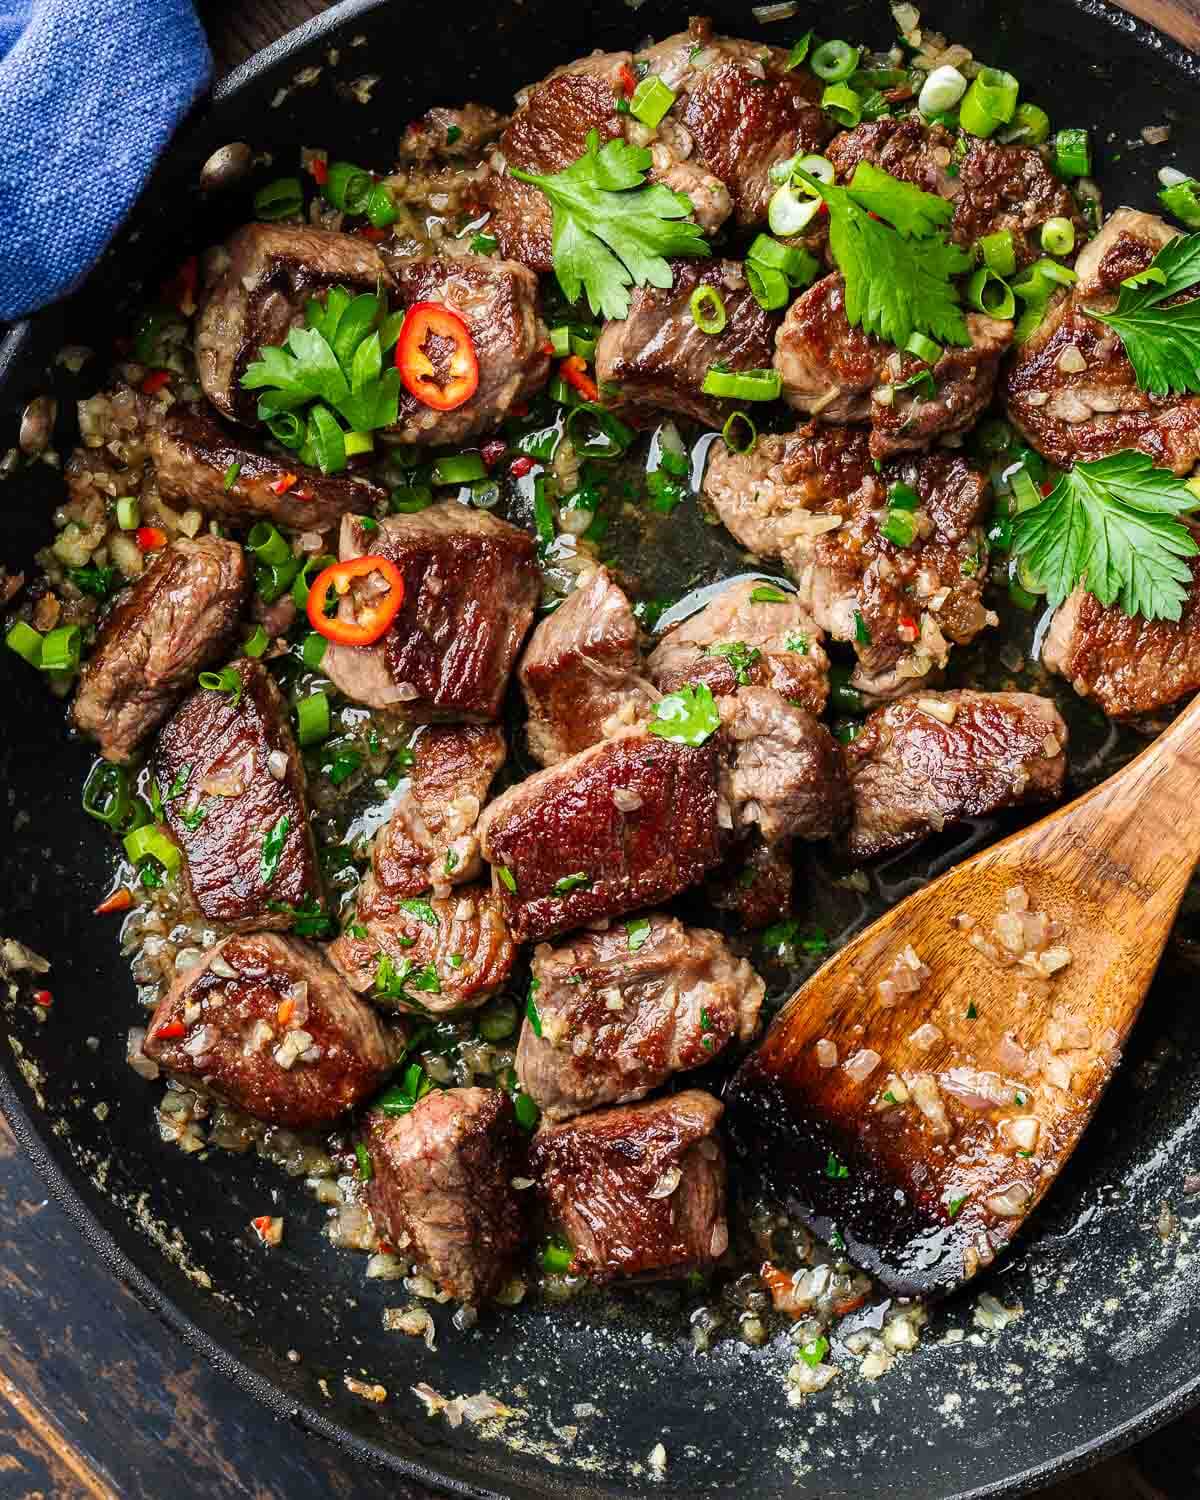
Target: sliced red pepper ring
column 150, row 538
column 374, row 615
column 574, row 371
column 435, row 355
column 155, row 381
column 172, row 1028
column 43, row 998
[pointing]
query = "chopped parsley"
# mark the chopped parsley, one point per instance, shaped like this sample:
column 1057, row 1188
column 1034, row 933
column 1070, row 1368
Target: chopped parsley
column 455, row 960
column 785, row 937
column 741, row 657
column 97, row 582
column 365, row 1170
column 767, row 593
column 179, row 785
column 394, row 981
column 570, row 883
column 814, row 1351
column 343, row 766
column 422, row 910
column 272, row 850
column 358, row 931
column 484, row 244
column 637, row 930
column 507, row 878
column 450, row 863
column 953, row 1206
column 399, row 1098
column 686, row 717
column 231, row 474
column 531, row 1010
column 794, row 641
column 861, row 633
column 192, row 817
column 836, row 1169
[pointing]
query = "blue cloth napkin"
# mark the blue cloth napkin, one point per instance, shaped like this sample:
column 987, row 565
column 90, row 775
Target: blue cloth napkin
column 90, row 93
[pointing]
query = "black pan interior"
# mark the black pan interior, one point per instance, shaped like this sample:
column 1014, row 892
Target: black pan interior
column 1107, row 1345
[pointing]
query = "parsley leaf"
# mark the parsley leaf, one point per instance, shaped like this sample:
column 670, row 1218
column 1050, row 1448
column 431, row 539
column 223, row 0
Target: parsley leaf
column 637, row 930
column 1163, row 343
column 1112, row 524
column 272, row 850
column 911, row 211
column 580, row 880
column 895, row 287
column 612, row 229
column 420, row 909
column 394, row 981
column 310, row 919
column 531, row 1010
column 686, row 717
column 98, row 582
column 814, row 1351
column 741, row 657
column 399, row 1098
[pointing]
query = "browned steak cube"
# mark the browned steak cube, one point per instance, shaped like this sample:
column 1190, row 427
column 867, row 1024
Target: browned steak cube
column 432, row 954
column 638, row 1190
column 582, row 668
column 180, row 616
column 267, row 1025
column 471, row 583
column 441, row 1189
column 934, row 759
column 784, row 777
column 738, row 640
column 498, row 301
column 234, row 797
column 627, row 823
column 659, row 355
column 1093, row 406
column 619, row 1011
column 194, row 453
column 270, row 272
column 1129, row 666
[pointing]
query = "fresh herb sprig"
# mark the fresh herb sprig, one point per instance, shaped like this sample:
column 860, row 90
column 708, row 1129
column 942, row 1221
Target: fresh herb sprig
column 1163, row 343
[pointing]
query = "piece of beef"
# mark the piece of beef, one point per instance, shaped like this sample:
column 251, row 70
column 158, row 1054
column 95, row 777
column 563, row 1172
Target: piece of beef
column 441, row 1188
column 179, row 617
column 459, row 943
column 620, row 1011
column 268, row 273
column 622, row 825
column 430, row 839
column 266, row 1024
column 755, row 883
column 638, row 1190
column 912, row 773
column 658, row 356
column 581, row 669
column 498, row 301
column 233, row 792
column 471, row 583
column 737, row 640
column 1128, row 665
column 993, row 187
column 784, row 774
column 1075, row 414
column 841, row 374
column 815, row 499
column 194, row 453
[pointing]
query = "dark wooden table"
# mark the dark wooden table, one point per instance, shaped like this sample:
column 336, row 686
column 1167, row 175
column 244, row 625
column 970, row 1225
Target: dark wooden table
column 98, row 1399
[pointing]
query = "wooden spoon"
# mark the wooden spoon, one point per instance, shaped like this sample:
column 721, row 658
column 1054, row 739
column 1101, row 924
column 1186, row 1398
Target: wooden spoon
column 924, row 1202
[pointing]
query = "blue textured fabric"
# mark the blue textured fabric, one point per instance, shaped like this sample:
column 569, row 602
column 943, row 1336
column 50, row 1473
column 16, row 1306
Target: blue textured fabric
column 90, row 93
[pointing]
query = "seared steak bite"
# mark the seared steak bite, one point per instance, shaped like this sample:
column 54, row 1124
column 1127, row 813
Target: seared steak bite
column 179, row 617
column 450, row 135
column 784, row 774
column 270, row 271
column 234, row 798
column 658, row 356
column 267, row 1025
column 934, row 759
column 582, row 668
column 441, row 954
column 441, row 1188
column 193, row 454
column 626, row 823
column 1072, row 414
column 815, row 499
column 841, row 374
column 498, row 301
column 1127, row 665
column 638, row 1190
column 470, row 586
column 615, row 1020
column 737, row 640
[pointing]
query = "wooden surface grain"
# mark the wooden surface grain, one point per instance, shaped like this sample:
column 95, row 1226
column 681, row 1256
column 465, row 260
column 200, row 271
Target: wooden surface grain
column 98, row 1400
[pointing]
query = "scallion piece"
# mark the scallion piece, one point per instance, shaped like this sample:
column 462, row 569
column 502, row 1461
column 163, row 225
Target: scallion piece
column 151, row 840
column 410, row 498
column 381, row 206
column 610, row 438
column 1073, row 153
column 991, row 294
column 1025, row 492
column 26, row 642
column 256, row 643
column 227, row 680
column 899, row 527
column 268, row 545
column 834, row 61
column 819, row 167
column 737, row 422
column 279, row 199
column 60, row 649
column 129, row 513
column 312, row 719
column 313, row 650
column 460, row 468
column 708, row 309
column 272, row 580
column 924, row 348
column 560, row 341
column 790, row 213
column 348, row 187
column 840, row 101
column 1030, row 126
column 651, row 101
column 106, row 795
column 1183, row 200
column 768, row 287
column 556, row 1257
column 358, row 442
column 743, row 385
column 796, row 263
column 303, row 580
column 999, row 253
column 942, row 90
column 990, row 102
column 901, row 496
column 1058, row 236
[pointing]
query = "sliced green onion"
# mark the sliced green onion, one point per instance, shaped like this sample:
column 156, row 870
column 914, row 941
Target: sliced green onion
column 410, row 498
column 901, row 496
column 129, row 513
column 227, row 680
column 106, row 795
column 793, row 260
column 1183, row 200
column 560, row 341
column 313, row 650
column 611, row 438
column 303, row 580
column 942, row 90
column 1035, row 310
column 840, row 101
column 358, row 442
column 279, row 199
column 834, row 61
column 1030, row 127
column 312, row 719
column 60, row 649
column 991, row 294
column 256, row 643
column 348, row 187
column 556, row 1257
column 460, row 468
column 1039, row 279
column 151, row 840
column 924, row 348
column 788, row 213
column 899, row 527
column 267, row 544
column 739, row 419
column 999, row 253
column 1073, row 153
column 743, row 385
column 708, row 309
column 1058, row 236
column 651, row 101
column 381, row 206
column 768, row 287
column 990, row 102
column 1025, row 491
column 272, row 580
column 26, row 642
column 819, row 167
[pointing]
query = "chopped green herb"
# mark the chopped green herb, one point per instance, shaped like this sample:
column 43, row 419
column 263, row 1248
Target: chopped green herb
column 835, row 1168
column 890, row 1098
column 358, row 931
column 1019, row 1099
column 531, row 1010
column 365, row 1170
column 484, row 244
column 861, row 633
column 422, row 910
column 836, row 1242
column 705, row 1020
column 767, row 593
column 741, row 657
column 955, row 1204
column 455, row 960
column 507, row 878
column 231, row 474
column 97, row 583
column 272, row 850
column 310, row 919
column 798, row 53
column 453, row 133
column 814, row 1351
column 637, row 930
column 394, row 981
column 192, row 817
column 972, row 1013
column 570, row 883
column 450, row 863
column 399, row 1098
column 686, row 717
column 343, row 766
column 526, row 1111
column 794, row 641
column 179, row 785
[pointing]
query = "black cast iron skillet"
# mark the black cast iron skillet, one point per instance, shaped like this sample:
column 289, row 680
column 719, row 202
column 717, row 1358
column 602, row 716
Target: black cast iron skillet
column 1108, row 1346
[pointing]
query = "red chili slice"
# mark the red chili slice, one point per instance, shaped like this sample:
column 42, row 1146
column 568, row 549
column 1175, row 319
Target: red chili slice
column 574, row 371
column 172, row 1028
column 155, row 381
column 454, row 379
column 150, row 538
column 374, row 617
column 120, row 900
